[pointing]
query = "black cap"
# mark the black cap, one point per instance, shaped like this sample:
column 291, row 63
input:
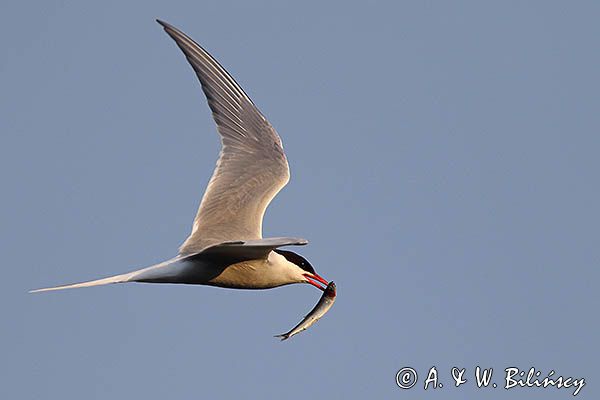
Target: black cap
column 297, row 259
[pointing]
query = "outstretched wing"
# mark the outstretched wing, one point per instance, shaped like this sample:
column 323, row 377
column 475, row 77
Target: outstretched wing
column 252, row 166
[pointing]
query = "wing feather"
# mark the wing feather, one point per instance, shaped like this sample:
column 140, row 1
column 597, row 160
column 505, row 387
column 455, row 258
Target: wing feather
column 252, row 166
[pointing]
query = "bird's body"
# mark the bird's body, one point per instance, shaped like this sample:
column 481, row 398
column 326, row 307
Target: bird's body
column 267, row 273
column 226, row 248
column 233, row 265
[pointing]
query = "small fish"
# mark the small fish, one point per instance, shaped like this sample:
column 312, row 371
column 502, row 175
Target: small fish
column 324, row 304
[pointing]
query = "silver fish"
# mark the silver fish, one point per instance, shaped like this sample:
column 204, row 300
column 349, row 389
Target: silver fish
column 324, row 304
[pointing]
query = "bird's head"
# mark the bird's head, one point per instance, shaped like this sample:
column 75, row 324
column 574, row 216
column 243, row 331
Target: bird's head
column 308, row 272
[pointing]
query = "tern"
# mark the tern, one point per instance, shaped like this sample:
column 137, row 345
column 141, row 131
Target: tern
column 226, row 247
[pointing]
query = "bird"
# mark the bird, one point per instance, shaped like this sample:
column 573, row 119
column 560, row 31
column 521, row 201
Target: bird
column 226, row 248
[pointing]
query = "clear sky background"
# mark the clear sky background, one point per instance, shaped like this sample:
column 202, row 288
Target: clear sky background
column 445, row 168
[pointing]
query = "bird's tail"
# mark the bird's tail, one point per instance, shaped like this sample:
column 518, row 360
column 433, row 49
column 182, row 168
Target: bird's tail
column 104, row 281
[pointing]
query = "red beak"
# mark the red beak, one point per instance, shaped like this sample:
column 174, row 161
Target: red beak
column 314, row 278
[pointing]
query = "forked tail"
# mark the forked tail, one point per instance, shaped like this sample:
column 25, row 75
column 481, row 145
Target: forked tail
column 161, row 272
column 104, row 281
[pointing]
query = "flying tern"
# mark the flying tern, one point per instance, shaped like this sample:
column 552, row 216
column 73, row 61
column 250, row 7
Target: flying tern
column 226, row 247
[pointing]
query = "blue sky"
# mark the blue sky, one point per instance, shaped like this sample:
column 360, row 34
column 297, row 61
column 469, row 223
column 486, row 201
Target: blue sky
column 444, row 162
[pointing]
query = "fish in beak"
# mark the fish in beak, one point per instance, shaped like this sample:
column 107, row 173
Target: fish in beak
column 324, row 304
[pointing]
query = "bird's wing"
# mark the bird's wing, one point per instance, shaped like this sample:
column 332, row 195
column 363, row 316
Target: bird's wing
column 237, row 251
column 252, row 166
